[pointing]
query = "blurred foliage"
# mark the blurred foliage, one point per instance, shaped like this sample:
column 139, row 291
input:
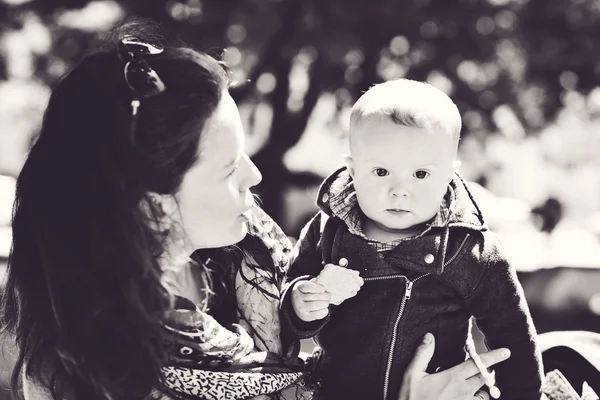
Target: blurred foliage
column 510, row 65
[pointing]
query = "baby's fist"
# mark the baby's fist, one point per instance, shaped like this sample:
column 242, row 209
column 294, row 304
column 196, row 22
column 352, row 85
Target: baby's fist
column 310, row 301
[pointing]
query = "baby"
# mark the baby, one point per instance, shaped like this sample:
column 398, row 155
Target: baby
column 400, row 216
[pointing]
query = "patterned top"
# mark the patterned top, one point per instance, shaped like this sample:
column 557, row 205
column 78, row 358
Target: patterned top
column 246, row 359
column 345, row 206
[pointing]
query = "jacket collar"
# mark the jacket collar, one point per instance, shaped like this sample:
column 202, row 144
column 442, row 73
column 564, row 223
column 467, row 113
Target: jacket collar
column 464, row 211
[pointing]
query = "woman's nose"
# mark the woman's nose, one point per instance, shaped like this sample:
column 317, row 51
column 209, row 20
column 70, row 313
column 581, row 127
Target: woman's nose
column 253, row 175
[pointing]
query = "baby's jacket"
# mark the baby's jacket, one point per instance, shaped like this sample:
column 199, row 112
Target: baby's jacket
column 433, row 282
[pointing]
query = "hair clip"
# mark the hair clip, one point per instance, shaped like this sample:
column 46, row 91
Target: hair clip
column 143, row 81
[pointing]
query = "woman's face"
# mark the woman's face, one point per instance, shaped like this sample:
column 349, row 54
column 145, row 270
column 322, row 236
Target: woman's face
column 214, row 198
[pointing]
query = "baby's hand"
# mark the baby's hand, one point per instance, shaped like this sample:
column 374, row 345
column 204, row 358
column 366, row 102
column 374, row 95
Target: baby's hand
column 342, row 283
column 310, row 301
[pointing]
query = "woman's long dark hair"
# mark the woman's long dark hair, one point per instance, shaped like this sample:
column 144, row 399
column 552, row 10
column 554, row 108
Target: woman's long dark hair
column 84, row 295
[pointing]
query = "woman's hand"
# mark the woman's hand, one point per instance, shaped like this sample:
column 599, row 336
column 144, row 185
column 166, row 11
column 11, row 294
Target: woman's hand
column 462, row 382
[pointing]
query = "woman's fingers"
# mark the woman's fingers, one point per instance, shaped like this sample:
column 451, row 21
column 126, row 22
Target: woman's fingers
column 462, row 382
column 475, row 383
column 468, row 368
column 412, row 381
column 422, row 356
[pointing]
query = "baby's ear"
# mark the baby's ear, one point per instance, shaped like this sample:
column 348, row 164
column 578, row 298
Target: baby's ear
column 350, row 165
column 455, row 166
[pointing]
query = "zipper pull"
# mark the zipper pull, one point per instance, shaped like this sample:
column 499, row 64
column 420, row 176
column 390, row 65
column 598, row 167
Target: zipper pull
column 409, row 285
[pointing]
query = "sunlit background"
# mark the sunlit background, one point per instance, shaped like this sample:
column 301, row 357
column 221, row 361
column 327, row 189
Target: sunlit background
column 524, row 73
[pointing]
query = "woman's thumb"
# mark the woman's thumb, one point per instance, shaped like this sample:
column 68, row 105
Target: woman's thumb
column 422, row 355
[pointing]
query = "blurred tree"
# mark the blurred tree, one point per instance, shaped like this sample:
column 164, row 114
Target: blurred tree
column 560, row 39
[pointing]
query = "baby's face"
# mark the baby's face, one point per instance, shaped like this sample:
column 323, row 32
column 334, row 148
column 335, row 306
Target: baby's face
column 400, row 173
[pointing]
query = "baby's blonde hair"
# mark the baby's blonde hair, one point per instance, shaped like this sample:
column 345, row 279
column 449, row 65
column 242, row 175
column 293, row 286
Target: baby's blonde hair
column 408, row 103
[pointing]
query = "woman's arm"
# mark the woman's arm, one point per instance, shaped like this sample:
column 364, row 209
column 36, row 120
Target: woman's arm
column 458, row 383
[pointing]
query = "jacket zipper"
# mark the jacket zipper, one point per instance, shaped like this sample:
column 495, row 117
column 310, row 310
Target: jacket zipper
column 407, row 295
column 457, row 251
column 388, row 367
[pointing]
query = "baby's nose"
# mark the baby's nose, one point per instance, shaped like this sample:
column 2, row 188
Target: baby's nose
column 398, row 191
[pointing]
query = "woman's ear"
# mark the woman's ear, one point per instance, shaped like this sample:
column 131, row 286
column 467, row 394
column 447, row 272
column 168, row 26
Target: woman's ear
column 166, row 203
column 350, row 165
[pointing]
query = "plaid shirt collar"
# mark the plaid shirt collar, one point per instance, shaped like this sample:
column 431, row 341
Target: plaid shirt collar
column 344, row 206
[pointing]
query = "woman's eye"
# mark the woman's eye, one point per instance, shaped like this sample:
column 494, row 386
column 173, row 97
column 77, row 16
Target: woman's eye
column 233, row 171
column 421, row 174
column 381, row 172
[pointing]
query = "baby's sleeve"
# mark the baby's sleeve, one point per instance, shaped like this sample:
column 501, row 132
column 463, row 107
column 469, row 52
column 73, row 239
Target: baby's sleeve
column 502, row 314
column 306, row 264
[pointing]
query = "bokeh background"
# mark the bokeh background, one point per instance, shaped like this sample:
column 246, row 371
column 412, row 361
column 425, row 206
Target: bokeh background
column 525, row 75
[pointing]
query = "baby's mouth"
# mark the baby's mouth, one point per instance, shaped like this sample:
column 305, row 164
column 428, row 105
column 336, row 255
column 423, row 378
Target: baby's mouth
column 396, row 211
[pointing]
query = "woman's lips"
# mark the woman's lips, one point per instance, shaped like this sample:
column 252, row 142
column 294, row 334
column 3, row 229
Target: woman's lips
column 246, row 214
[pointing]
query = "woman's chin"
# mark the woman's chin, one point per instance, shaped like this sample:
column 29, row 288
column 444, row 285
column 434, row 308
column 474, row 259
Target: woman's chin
column 242, row 232
column 223, row 239
column 236, row 234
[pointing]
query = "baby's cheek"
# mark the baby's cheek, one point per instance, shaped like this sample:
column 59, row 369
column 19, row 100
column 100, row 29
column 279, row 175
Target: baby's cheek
column 369, row 204
column 366, row 187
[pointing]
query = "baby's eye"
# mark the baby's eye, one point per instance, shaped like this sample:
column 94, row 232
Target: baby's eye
column 381, row 172
column 421, row 174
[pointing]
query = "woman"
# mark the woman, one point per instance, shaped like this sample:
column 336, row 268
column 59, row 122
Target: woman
column 141, row 161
